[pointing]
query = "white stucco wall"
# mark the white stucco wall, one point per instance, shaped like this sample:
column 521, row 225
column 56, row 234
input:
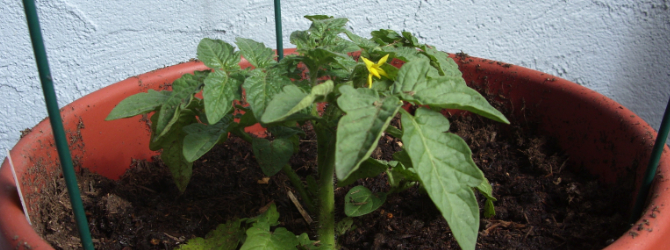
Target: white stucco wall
column 620, row 48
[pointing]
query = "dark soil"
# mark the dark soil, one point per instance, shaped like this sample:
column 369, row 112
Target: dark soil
column 144, row 210
column 541, row 203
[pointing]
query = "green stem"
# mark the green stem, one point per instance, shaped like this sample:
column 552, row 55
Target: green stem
column 313, row 77
column 297, row 184
column 326, row 163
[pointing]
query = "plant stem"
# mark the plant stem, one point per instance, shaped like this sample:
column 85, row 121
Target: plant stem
column 297, row 184
column 326, row 163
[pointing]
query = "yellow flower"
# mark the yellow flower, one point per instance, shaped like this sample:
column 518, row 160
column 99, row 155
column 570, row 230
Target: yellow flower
column 375, row 68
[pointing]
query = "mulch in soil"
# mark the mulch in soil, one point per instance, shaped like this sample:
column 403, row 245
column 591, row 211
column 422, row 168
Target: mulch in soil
column 542, row 203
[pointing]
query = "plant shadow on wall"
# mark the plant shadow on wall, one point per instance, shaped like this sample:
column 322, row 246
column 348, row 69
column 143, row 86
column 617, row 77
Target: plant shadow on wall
column 349, row 99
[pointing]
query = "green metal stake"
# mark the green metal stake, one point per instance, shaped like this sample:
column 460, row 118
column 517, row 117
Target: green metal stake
column 653, row 165
column 280, row 43
column 56, row 123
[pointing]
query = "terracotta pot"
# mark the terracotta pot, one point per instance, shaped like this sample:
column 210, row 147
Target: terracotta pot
column 597, row 133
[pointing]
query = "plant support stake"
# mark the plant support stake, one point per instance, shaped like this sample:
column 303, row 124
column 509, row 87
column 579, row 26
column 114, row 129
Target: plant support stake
column 280, row 43
column 56, row 122
column 653, row 165
column 18, row 187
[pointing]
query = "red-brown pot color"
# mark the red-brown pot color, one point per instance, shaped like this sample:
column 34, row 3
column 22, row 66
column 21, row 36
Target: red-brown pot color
column 597, row 133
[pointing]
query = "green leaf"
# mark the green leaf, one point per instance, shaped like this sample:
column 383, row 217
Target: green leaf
column 317, row 17
column 391, row 71
column 410, row 40
column 358, row 132
column 444, row 163
column 137, row 104
column 381, row 85
column 182, row 95
column 261, row 87
column 304, row 243
column 269, row 218
column 410, row 77
column 218, row 54
column 385, row 36
column 168, row 115
column 324, row 33
column 201, row 74
column 341, row 45
column 344, row 225
column 361, row 201
column 284, row 131
column 197, row 105
column 444, row 157
column 172, row 144
column 285, row 103
column 393, row 131
column 406, row 54
column 225, row 237
column 365, row 44
column 292, row 99
column 486, row 190
column 447, row 93
column 461, row 211
column 155, row 142
column 290, row 133
column 403, row 158
column 195, row 244
column 200, row 138
column 342, row 68
column 327, row 29
column 179, row 167
column 259, row 235
column 489, row 209
column 301, row 40
column 368, row 169
column 256, row 53
column 187, row 84
column 291, row 67
column 413, row 85
column 442, row 62
column 219, row 93
column 399, row 174
column 259, row 239
column 359, row 76
column 272, row 155
column 323, row 56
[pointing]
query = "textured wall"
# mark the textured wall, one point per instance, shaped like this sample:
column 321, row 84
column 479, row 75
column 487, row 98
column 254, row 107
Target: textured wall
column 616, row 47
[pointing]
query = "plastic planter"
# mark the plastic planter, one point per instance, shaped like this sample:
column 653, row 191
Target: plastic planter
column 597, row 133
